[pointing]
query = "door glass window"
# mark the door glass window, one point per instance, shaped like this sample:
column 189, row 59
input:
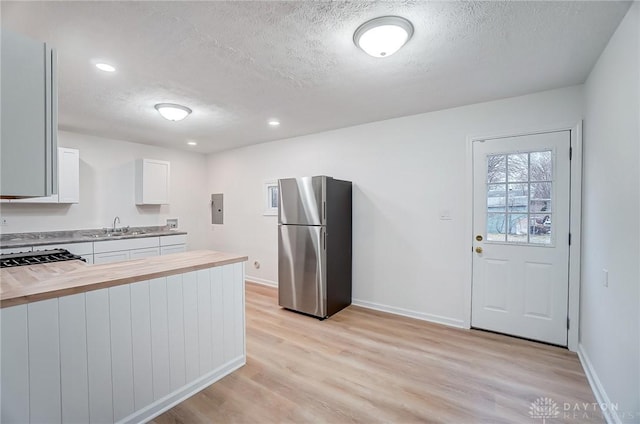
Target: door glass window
column 519, row 194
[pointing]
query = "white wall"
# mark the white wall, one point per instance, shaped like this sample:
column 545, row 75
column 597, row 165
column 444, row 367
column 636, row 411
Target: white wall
column 610, row 317
column 107, row 189
column 405, row 171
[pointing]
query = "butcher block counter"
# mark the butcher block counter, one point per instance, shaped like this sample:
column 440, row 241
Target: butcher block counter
column 119, row 342
column 26, row 284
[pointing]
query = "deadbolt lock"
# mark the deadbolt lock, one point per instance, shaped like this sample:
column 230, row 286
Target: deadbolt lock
column 479, row 237
column 478, row 249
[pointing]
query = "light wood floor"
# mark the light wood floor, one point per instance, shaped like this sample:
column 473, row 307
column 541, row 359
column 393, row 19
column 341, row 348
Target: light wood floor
column 367, row 366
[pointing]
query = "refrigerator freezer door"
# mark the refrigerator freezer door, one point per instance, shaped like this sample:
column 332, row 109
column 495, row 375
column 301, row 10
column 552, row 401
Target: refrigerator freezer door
column 302, row 280
column 302, row 201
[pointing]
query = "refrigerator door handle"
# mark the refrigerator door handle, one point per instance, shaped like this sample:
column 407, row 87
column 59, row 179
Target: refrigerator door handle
column 324, row 211
column 324, row 240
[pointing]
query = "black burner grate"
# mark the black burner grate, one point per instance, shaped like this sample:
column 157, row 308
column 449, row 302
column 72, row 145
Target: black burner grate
column 35, row 258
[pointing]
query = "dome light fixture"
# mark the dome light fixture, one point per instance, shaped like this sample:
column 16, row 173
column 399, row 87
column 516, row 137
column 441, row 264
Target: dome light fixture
column 383, row 36
column 172, row 111
column 192, row 143
column 274, row 123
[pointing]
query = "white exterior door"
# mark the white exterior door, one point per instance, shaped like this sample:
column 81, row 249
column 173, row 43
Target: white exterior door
column 521, row 189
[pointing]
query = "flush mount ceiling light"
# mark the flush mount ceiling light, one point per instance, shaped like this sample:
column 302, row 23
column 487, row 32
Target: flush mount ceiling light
column 173, row 112
column 192, row 143
column 105, row 67
column 274, row 122
column 383, row 36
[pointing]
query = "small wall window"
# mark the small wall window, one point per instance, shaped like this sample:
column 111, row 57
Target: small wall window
column 271, row 198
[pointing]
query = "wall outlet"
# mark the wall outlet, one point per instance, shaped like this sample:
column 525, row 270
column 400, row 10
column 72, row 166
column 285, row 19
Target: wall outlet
column 605, row 277
column 256, row 265
column 3, row 222
column 172, row 223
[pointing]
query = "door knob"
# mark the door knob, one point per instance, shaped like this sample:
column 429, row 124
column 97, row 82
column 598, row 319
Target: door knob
column 478, row 249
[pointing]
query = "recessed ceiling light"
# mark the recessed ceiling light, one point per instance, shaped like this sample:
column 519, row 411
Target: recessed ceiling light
column 383, row 36
column 105, row 67
column 192, row 143
column 274, row 122
column 172, row 111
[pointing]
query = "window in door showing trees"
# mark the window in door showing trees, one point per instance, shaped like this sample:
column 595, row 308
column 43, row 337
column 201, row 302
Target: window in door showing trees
column 519, row 193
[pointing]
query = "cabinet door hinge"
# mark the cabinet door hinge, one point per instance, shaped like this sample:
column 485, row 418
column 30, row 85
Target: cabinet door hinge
column 569, row 239
column 570, row 153
column 568, row 323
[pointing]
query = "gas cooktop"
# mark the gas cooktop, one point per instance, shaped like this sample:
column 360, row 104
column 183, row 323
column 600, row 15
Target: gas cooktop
column 38, row 257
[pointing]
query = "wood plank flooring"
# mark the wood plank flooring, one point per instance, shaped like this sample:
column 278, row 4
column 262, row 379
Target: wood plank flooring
column 363, row 366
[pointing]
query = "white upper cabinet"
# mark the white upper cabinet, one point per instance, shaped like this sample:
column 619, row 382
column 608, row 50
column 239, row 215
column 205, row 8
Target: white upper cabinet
column 69, row 175
column 68, row 180
column 29, row 117
column 152, row 182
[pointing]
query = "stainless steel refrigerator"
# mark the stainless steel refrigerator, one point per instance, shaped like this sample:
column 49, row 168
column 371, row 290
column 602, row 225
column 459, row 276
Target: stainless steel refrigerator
column 314, row 245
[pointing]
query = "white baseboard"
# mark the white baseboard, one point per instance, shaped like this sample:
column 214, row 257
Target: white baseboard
column 262, row 281
column 452, row 322
column 596, row 386
column 172, row 399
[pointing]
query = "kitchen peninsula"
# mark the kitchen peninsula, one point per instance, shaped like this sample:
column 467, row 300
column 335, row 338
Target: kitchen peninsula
column 118, row 342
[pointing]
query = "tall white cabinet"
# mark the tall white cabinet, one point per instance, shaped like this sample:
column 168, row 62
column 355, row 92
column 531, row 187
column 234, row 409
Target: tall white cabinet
column 29, row 116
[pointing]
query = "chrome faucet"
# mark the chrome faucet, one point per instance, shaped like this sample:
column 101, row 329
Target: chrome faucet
column 115, row 220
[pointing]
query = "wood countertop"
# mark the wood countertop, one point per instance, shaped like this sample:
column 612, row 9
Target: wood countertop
column 25, row 284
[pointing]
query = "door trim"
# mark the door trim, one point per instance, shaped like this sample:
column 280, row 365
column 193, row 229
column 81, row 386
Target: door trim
column 575, row 221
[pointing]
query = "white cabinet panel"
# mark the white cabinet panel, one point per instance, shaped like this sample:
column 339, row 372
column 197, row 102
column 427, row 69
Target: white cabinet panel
column 44, row 362
column 238, row 304
column 121, row 352
column 178, row 248
column 159, row 337
column 14, row 365
column 190, row 297
column 217, row 317
column 99, row 357
column 152, row 182
column 144, row 253
column 74, row 386
column 105, row 258
column 204, row 320
column 141, row 334
column 228, row 312
column 68, row 175
column 175, row 315
column 171, row 240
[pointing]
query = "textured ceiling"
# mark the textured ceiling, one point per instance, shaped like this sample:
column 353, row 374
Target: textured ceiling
column 237, row 64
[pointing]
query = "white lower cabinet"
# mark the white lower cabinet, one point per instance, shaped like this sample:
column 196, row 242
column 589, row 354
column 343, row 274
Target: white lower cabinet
column 178, row 248
column 126, row 249
column 108, row 257
column 144, row 253
column 122, row 354
column 102, row 252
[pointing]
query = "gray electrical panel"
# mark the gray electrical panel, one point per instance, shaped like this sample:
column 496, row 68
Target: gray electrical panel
column 217, row 208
